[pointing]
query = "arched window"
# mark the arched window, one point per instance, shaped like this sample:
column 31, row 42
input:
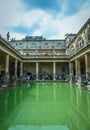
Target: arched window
column 80, row 43
column 72, row 49
column 88, row 34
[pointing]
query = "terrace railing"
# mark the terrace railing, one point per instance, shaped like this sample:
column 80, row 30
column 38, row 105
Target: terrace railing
column 45, row 56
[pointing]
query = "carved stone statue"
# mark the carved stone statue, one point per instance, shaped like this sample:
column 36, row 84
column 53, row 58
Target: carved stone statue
column 8, row 36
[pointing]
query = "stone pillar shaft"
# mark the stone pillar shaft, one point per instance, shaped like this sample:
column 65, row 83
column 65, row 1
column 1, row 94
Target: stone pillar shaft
column 86, row 65
column 70, row 70
column 54, row 71
column 16, row 69
column 7, row 64
column 36, row 70
column 77, row 66
column 21, row 69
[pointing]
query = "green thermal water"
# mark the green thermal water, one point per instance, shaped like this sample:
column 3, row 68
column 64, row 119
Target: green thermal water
column 45, row 106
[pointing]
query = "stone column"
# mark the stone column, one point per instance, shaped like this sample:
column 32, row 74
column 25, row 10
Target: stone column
column 16, row 69
column 7, row 65
column 77, row 66
column 54, row 70
column 86, row 65
column 6, row 79
column 70, row 71
column 78, row 73
column 21, row 69
column 36, row 70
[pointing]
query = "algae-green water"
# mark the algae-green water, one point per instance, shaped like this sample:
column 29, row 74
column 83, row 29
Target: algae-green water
column 45, row 106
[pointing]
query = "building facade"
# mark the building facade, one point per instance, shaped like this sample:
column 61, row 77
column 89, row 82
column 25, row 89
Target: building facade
column 53, row 58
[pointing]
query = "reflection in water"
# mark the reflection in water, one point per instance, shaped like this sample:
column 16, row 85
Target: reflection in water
column 28, row 85
column 54, row 92
column 39, row 128
column 45, row 106
column 37, row 92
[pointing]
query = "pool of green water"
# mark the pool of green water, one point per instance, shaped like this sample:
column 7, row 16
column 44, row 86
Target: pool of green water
column 45, row 106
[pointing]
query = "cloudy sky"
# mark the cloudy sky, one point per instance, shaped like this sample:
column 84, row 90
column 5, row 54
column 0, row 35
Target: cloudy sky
column 47, row 18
